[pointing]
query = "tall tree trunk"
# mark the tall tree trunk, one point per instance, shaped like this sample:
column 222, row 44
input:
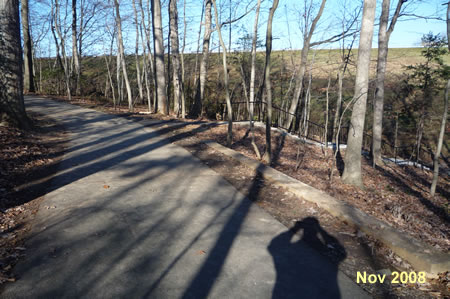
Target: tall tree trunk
column 395, row 137
column 122, row 55
column 337, row 113
column 56, row 16
column 230, row 27
column 27, row 48
column 149, row 59
column 75, row 54
column 307, row 101
column 40, row 73
column 196, row 73
column 383, row 44
column 176, row 77
column 420, row 133
column 158, row 44
column 352, row 172
column 145, row 65
column 118, row 78
column 225, row 77
column 345, row 58
column 444, row 119
column 326, row 114
column 136, row 55
column 200, row 89
column 183, row 97
column 448, row 25
column 440, row 141
column 107, row 62
column 169, row 63
column 252, row 79
column 268, row 153
column 52, row 29
column 12, row 108
column 80, row 33
column 302, row 69
column 298, row 84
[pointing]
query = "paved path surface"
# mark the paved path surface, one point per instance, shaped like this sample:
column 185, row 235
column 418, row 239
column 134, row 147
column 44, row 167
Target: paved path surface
column 167, row 227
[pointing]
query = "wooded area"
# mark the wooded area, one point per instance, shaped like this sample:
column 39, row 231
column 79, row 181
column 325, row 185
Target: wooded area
column 343, row 112
column 169, row 80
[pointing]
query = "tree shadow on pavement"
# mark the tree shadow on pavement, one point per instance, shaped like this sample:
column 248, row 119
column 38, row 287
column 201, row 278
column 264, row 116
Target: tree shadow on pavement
column 109, row 244
column 203, row 282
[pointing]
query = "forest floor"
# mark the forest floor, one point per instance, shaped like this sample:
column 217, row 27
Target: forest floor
column 395, row 194
column 398, row 195
column 25, row 157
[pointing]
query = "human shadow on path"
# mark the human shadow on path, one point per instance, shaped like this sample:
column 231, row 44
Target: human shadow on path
column 297, row 272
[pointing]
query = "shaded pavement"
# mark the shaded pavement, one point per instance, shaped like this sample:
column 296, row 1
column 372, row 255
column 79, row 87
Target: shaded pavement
column 130, row 214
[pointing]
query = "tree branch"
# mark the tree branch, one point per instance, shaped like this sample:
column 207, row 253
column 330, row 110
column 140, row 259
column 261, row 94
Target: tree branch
column 334, row 38
column 339, row 36
column 395, row 17
column 240, row 17
column 422, row 17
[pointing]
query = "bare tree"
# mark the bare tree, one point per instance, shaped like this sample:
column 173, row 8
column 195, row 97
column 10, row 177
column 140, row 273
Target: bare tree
column 118, row 76
column 440, row 142
column 108, row 60
column 352, row 172
column 345, row 58
column 159, row 72
column 443, row 121
column 307, row 100
column 326, row 114
column 183, row 99
column 27, row 48
column 448, row 25
column 88, row 14
column 149, row 59
column 200, row 89
column 337, row 113
column 252, row 79
column 60, row 30
column 384, row 34
column 198, row 48
column 122, row 55
column 268, row 86
column 12, row 108
column 75, row 53
column 307, row 35
column 146, row 71
column 225, row 77
column 176, row 77
column 136, row 54
column 308, row 32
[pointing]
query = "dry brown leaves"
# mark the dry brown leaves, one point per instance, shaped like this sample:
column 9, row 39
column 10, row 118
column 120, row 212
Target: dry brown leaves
column 24, row 156
column 394, row 194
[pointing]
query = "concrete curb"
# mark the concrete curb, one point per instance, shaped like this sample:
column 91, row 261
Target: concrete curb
column 421, row 256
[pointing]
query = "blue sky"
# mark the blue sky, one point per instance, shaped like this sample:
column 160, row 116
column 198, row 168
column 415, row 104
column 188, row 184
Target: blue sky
column 407, row 33
column 286, row 27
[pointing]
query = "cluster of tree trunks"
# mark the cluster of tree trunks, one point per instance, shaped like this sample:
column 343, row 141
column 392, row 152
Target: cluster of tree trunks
column 383, row 45
column 152, row 74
